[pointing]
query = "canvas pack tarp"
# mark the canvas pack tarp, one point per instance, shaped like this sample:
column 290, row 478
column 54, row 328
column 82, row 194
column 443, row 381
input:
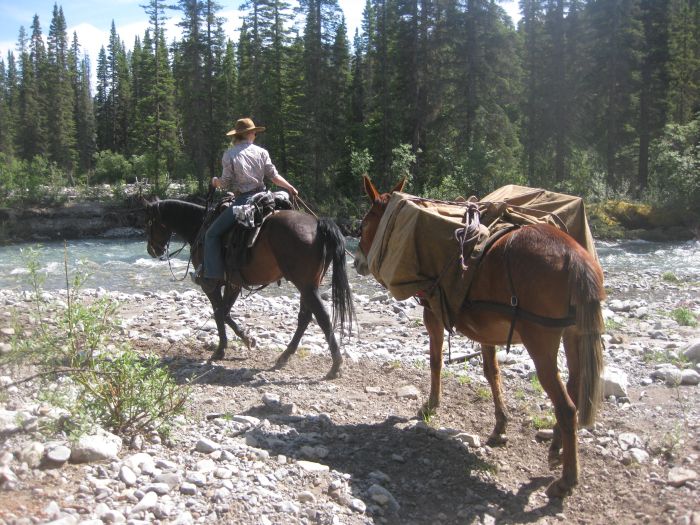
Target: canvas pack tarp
column 415, row 251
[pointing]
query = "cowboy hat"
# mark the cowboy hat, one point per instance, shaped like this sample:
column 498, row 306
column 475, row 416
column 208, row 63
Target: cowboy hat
column 243, row 126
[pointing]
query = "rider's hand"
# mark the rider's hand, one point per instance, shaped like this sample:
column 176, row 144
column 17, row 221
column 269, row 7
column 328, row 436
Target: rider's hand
column 215, row 182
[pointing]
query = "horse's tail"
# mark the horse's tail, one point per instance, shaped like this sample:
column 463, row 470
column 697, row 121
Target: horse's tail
column 586, row 288
column 341, row 297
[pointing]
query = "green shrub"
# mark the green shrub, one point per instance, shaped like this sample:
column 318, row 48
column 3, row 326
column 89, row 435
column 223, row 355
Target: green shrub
column 684, row 317
column 108, row 383
column 111, row 168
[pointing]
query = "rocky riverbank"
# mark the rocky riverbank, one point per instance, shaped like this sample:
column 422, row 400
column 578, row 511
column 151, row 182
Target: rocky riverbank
column 285, row 446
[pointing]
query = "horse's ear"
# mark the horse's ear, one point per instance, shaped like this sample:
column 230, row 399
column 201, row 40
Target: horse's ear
column 399, row 186
column 370, row 190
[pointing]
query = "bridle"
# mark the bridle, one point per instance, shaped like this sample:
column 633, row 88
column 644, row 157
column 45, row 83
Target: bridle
column 152, row 222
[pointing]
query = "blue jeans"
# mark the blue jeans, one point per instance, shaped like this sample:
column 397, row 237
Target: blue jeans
column 214, row 266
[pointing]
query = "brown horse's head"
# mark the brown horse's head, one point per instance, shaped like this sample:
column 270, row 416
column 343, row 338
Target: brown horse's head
column 370, row 222
column 157, row 233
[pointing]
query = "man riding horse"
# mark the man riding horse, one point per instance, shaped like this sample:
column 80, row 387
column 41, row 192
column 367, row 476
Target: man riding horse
column 245, row 168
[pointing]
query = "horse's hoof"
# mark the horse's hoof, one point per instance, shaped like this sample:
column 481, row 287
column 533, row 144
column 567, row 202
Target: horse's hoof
column 280, row 363
column 497, row 440
column 558, row 489
column 333, row 374
column 217, row 356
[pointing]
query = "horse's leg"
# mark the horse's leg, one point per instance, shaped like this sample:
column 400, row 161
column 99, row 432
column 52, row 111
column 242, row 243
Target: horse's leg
column 230, row 295
column 437, row 336
column 572, row 386
column 313, row 301
column 303, row 322
column 493, row 375
column 543, row 346
column 220, row 312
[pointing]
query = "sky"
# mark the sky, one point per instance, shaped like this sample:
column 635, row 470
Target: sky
column 92, row 20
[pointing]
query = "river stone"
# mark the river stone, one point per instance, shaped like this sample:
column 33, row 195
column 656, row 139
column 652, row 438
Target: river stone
column 188, row 489
column 310, row 466
column 678, row 476
column 139, row 462
column 669, row 374
column 636, row 455
column 614, row 382
column 127, row 476
column 149, row 501
column 690, row 377
column 408, row 392
column 692, row 352
column 206, row 446
column 383, row 497
column 172, row 479
column 358, row 505
column 471, row 440
column 629, row 440
column 96, row 447
column 57, row 456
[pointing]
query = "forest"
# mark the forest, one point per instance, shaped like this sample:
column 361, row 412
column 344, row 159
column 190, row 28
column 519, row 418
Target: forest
column 599, row 98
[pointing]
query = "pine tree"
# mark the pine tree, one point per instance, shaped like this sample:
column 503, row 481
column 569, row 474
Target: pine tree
column 7, row 94
column 194, row 97
column 31, row 131
column 119, row 93
column 653, row 97
column 684, row 60
column 83, row 109
column 612, row 83
column 155, row 106
column 104, row 111
column 60, row 97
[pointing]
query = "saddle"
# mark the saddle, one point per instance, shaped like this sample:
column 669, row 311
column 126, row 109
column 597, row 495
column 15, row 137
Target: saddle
column 250, row 217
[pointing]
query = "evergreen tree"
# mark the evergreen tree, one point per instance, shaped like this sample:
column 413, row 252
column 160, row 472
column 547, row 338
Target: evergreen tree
column 31, row 132
column 61, row 96
column 155, row 106
column 684, row 59
column 612, row 84
column 653, row 96
column 7, row 95
column 104, row 111
column 194, row 99
column 83, row 109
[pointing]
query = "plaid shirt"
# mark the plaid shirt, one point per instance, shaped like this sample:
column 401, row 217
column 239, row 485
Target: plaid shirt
column 246, row 167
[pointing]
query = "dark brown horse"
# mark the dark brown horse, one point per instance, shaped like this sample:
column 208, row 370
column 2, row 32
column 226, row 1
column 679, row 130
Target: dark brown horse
column 291, row 245
column 553, row 273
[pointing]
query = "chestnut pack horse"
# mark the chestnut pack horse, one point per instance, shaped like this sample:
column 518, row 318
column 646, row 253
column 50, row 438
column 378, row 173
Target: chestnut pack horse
column 551, row 273
column 290, row 245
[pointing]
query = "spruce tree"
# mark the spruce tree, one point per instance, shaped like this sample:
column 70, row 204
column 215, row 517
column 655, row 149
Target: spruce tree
column 61, row 96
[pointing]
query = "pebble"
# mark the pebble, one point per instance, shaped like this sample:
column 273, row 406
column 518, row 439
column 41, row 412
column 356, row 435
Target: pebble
column 206, row 446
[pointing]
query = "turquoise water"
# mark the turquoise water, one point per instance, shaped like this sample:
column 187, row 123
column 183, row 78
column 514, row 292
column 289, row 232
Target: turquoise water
column 124, row 265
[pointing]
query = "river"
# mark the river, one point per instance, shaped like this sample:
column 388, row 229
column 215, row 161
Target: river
column 123, row 264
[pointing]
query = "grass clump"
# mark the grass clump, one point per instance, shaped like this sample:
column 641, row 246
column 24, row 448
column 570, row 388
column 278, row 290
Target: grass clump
column 85, row 369
column 684, row 317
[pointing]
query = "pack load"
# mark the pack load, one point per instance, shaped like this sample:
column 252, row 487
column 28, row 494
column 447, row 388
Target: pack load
column 430, row 249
